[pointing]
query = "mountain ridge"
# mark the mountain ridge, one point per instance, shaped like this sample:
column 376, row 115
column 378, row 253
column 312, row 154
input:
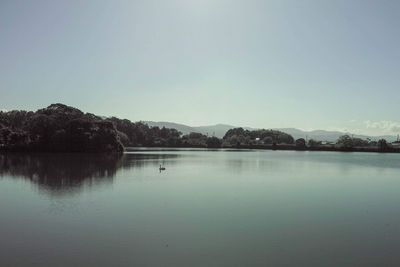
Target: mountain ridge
column 220, row 129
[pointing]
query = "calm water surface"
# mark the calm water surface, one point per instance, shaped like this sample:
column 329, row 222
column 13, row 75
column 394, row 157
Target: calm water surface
column 208, row 208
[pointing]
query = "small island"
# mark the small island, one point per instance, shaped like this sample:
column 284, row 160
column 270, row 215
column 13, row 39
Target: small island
column 61, row 128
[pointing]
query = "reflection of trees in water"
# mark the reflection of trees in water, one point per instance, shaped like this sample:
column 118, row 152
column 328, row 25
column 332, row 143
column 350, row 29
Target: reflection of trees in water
column 60, row 174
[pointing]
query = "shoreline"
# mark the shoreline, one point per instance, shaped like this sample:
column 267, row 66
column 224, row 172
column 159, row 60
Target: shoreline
column 202, row 148
column 276, row 148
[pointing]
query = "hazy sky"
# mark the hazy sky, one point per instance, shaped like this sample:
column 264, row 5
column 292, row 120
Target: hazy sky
column 307, row 64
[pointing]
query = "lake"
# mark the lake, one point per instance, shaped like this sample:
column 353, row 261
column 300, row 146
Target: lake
column 208, row 208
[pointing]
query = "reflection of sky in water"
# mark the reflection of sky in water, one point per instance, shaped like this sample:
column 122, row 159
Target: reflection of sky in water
column 253, row 208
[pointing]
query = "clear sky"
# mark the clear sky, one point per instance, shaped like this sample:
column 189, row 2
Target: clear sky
column 307, row 64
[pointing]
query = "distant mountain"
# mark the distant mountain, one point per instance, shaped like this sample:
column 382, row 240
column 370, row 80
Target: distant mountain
column 180, row 127
column 330, row 136
column 320, row 135
column 219, row 130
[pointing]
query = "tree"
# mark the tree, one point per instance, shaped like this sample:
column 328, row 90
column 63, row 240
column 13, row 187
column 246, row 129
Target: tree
column 314, row 143
column 194, row 139
column 58, row 128
column 345, row 141
column 360, row 142
column 382, row 145
column 267, row 140
column 301, row 143
column 239, row 136
column 213, row 142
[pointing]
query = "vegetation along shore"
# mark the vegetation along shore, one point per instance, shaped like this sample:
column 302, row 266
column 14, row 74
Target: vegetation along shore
column 61, row 128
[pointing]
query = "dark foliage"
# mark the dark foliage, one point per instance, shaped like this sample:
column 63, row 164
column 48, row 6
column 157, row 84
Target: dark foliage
column 57, row 128
column 383, row 145
column 314, row 143
column 194, row 140
column 301, row 143
column 213, row 142
column 345, row 142
column 241, row 137
column 140, row 134
column 60, row 128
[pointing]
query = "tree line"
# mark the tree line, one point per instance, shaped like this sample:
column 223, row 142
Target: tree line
column 61, row 128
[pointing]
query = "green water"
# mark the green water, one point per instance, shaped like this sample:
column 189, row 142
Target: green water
column 208, row 208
